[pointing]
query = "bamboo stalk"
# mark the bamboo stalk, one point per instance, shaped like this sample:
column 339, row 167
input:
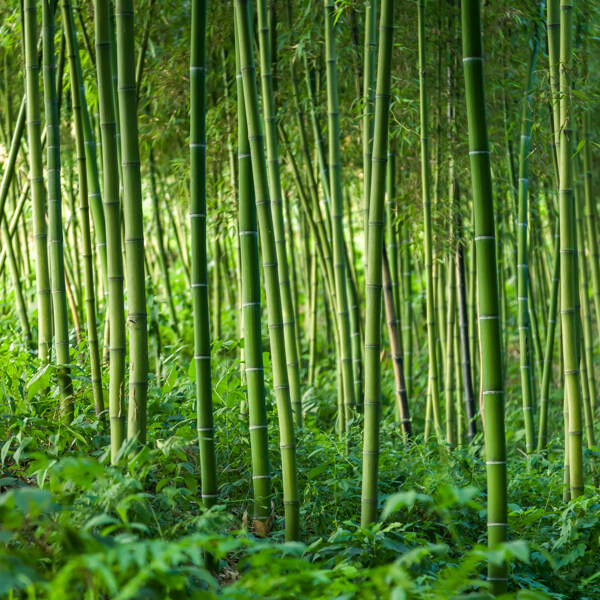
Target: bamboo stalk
column 492, row 380
column 372, row 401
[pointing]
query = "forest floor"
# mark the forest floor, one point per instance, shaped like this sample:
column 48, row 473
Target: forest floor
column 73, row 526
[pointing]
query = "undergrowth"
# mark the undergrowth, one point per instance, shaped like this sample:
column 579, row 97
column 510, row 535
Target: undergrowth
column 75, row 527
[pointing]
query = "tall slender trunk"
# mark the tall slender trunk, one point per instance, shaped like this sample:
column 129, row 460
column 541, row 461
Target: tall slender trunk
column 369, row 53
column 523, row 256
column 588, row 382
column 372, row 401
column 199, row 286
column 492, row 380
column 40, row 232
column 463, row 326
column 88, row 267
column 137, row 318
column 395, row 348
column 428, row 242
column 162, row 255
column 335, row 186
column 270, row 120
column 270, row 266
column 55, row 226
column 568, row 257
column 112, row 213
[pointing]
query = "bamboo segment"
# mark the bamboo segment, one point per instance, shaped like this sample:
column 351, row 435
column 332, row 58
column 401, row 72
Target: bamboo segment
column 568, row 258
column 162, row 255
column 335, row 187
column 88, row 268
column 522, row 259
column 591, row 214
column 492, row 381
column 199, row 275
column 588, row 383
column 253, row 367
column 368, row 106
column 463, row 328
column 16, row 281
column 549, row 349
column 40, row 232
column 55, row 227
column 426, row 184
column 270, row 266
column 407, row 321
column 112, row 213
column 396, row 349
column 137, row 318
column 372, row 401
column 289, row 321
column 9, row 165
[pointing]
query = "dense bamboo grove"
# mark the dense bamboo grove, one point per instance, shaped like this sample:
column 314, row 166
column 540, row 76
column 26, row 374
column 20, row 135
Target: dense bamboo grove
column 305, row 292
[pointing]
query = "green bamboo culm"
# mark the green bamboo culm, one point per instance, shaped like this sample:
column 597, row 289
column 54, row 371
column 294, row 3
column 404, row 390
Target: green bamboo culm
column 162, row 255
column 569, row 287
column 492, row 381
column 335, row 186
column 270, row 267
column 395, row 349
column 55, row 225
column 407, row 312
column 372, row 399
column 451, row 416
column 549, row 347
column 588, row 383
column 93, row 179
column 522, row 257
column 463, row 327
column 40, row 232
column 590, row 213
column 428, row 243
column 270, row 119
column 88, row 266
column 251, row 315
column 6, row 232
column 553, row 29
column 202, row 358
column 137, row 318
column 369, row 55
column 112, row 213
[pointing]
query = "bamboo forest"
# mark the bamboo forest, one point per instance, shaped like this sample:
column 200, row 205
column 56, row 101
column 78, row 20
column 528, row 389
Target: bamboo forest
column 299, row 299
